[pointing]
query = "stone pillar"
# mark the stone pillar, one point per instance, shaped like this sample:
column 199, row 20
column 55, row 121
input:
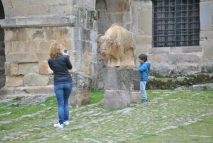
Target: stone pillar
column 119, row 87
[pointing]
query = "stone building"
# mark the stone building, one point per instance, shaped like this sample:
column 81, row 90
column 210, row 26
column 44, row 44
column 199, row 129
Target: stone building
column 175, row 34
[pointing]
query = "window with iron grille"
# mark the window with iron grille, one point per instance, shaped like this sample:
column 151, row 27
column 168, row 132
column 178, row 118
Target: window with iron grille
column 176, row 23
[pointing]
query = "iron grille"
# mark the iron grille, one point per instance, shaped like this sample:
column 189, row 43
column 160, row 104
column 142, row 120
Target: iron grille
column 176, row 23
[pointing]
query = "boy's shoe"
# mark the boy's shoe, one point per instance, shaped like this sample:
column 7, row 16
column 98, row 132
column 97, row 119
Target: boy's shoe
column 144, row 100
column 59, row 126
column 66, row 123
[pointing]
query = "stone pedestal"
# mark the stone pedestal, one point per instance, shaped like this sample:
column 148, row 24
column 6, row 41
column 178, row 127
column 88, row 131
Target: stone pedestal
column 119, row 88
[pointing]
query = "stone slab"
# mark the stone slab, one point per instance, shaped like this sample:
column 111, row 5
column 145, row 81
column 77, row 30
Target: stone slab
column 203, row 87
column 135, row 97
column 38, row 21
column 33, row 79
column 28, row 90
column 114, row 99
column 120, row 78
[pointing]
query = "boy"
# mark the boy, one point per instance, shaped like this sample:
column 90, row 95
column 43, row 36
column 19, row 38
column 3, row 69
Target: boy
column 144, row 72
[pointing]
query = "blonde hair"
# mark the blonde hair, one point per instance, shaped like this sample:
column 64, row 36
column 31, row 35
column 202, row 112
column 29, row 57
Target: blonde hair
column 55, row 50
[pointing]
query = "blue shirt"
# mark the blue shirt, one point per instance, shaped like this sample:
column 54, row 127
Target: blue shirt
column 144, row 71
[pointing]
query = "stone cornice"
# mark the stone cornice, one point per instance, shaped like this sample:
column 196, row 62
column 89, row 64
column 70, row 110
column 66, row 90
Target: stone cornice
column 39, row 21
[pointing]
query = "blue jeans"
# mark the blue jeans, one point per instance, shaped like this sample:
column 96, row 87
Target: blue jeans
column 62, row 92
column 143, row 90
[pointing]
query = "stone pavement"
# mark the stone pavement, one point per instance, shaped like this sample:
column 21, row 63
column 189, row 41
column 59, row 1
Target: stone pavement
column 93, row 124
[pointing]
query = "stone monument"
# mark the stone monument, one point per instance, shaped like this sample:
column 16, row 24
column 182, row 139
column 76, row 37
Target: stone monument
column 117, row 46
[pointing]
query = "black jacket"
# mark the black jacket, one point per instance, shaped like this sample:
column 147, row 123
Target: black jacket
column 60, row 67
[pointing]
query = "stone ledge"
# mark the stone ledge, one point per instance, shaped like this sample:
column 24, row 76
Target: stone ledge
column 39, row 21
column 203, row 87
column 27, row 90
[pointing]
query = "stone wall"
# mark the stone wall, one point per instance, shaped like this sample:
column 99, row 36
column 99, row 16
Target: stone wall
column 31, row 26
column 27, row 51
column 136, row 16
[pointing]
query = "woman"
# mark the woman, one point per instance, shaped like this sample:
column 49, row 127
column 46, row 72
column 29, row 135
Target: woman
column 59, row 63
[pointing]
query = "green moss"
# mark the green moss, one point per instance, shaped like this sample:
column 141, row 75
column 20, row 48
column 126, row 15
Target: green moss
column 160, row 82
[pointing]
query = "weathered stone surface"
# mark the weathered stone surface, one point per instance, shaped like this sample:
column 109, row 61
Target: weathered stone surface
column 159, row 50
column 206, row 15
column 44, row 68
column 117, row 17
column 7, row 68
column 156, row 58
column 206, row 35
column 13, row 69
column 53, row 33
column 182, row 58
column 139, row 50
column 59, row 21
column 117, row 6
column 33, row 79
column 35, row 34
column 192, row 49
column 21, row 57
column 203, row 87
column 14, row 81
column 175, row 50
column 59, row 9
column 17, row 34
column 8, row 11
column 35, row 90
column 51, row 79
column 80, row 90
column 28, row 90
column 114, row 99
column 145, row 21
column 41, row 56
column 86, row 63
column 38, row 21
column 26, row 68
column 35, row 2
column 67, row 1
column 6, row 3
column 144, row 40
column 163, row 69
column 187, row 68
column 120, row 78
column 207, row 51
column 20, row 11
column 90, row 3
column 37, row 10
column 44, row 46
column 53, row 2
column 135, row 97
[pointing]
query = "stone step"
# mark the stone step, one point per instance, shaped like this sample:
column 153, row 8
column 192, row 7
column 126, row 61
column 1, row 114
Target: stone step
column 208, row 86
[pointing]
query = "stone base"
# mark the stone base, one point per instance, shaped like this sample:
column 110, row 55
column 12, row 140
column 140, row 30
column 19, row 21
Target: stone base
column 114, row 99
column 119, row 86
column 27, row 90
column 79, row 95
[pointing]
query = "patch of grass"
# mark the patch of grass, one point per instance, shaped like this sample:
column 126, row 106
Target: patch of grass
column 96, row 96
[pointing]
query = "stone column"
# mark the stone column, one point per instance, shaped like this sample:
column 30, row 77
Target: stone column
column 119, row 88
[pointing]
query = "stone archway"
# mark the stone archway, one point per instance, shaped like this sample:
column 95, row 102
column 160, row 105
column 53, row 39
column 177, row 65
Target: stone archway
column 2, row 48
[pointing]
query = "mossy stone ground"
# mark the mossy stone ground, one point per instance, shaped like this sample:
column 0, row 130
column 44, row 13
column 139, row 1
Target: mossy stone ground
column 168, row 117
